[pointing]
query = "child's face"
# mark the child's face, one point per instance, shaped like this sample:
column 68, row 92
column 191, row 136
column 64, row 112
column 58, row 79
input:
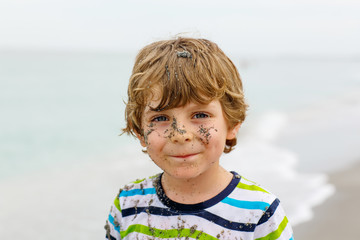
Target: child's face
column 186, row 141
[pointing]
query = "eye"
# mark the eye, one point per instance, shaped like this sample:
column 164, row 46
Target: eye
column 201, row 115
column 159, row 119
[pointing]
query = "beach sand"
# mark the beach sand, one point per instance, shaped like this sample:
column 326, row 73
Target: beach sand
column 337, row 217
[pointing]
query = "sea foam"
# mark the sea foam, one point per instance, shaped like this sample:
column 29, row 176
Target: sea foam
column 258, row 157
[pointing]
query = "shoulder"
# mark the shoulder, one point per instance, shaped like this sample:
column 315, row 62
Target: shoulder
column 139, row 186
column 270, row 219
column 249, row 199
column 251, row 191
column 138, row 192
column 131, row 198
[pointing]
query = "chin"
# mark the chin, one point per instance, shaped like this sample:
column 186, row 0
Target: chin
column 184, row 173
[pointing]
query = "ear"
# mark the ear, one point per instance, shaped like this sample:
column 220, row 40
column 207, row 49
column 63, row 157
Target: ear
column 141, row 139
column 233, row 131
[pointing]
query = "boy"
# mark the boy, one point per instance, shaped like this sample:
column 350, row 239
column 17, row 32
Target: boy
column 186, row 105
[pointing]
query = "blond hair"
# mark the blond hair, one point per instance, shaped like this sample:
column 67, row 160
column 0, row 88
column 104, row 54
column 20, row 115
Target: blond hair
column 185, row 69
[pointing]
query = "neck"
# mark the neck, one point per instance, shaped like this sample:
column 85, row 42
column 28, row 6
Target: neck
column 198, row 189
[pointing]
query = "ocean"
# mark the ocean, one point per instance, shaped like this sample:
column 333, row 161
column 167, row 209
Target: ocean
column 63, row 161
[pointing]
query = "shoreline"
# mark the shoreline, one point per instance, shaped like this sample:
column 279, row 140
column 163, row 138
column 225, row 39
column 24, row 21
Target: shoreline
column 337, row 217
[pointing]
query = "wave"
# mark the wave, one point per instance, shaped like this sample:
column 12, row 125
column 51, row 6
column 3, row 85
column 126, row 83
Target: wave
column 259, row 158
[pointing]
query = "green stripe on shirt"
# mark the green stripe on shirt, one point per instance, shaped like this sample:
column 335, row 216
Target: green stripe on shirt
column 139, row 180
column 251, row 187
column 117, row 204
column 172, row 233
column 277, row 233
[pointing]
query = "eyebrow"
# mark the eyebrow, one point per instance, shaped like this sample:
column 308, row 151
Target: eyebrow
column 150, row 109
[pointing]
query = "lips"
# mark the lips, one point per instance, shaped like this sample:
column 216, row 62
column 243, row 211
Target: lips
column 184, row 155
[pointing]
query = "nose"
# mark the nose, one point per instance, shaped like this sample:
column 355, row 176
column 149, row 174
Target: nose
column 180, row 135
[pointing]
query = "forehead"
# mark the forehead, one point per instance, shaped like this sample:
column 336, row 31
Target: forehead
column 214, row 105
column 158, row 99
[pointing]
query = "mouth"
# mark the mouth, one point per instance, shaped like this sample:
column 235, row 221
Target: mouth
column 184, row 156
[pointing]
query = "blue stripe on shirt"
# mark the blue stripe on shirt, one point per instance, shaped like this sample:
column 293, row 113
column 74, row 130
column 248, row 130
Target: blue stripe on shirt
column 134, row 192
column 111, row 220
column 254, row 205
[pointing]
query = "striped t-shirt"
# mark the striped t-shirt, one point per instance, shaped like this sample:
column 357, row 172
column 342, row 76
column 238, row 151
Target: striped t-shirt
column 242, row 211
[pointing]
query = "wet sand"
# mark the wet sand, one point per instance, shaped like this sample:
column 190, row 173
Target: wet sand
column 338, row 217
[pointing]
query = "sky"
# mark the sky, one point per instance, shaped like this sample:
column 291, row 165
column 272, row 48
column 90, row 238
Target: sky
column 278, row 27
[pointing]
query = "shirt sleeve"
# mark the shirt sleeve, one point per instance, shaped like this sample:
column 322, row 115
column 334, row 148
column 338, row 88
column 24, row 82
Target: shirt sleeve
column 112, row 225
column 273, row 224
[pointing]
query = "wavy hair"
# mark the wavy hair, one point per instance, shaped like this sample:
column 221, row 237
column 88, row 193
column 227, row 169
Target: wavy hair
column 185, row 70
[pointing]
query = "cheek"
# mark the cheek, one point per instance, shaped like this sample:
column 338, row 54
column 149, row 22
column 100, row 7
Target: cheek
column 147, row 135
column 205, row 134
column 155, row 141
column 151, row 132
